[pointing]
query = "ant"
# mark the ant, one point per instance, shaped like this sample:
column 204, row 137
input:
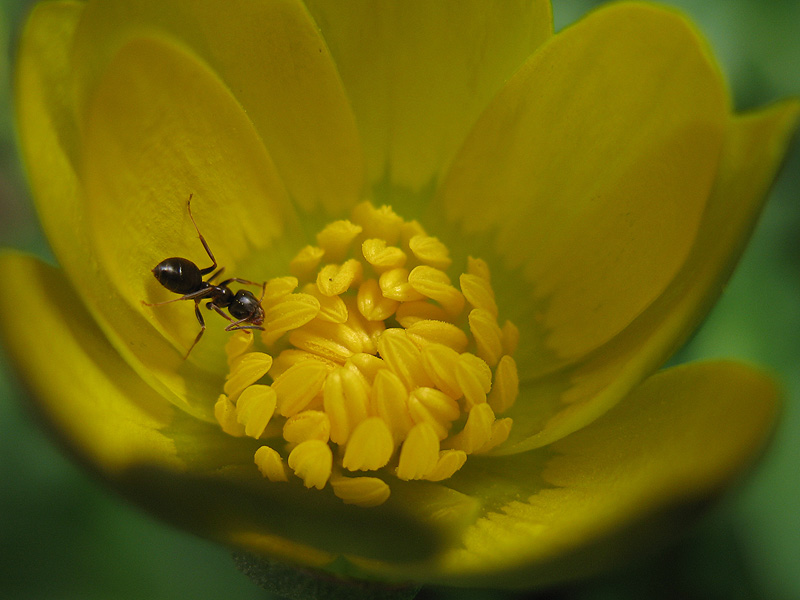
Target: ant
column 182, row 276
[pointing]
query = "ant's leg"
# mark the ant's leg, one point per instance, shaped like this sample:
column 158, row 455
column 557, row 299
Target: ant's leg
column 220, row 312
column 242, row 281
column 215, row 275
column 199, row 333
column 235, row 326
column 202, row 239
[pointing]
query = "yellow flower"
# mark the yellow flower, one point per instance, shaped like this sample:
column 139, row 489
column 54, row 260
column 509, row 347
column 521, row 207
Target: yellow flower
column 479, row 242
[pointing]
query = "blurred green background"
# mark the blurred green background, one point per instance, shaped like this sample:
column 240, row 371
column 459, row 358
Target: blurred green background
column 62, row 535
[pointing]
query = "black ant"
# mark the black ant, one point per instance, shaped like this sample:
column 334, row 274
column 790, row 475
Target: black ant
column 182, row 276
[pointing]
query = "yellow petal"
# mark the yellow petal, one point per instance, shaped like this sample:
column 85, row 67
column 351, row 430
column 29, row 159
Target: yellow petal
column 419, row 73
column 754, row 148
column 681, row 436
column 552, row 516
column 83, row 389
column 296, row 102
column 181, row 469
column 597, row 159
column 142, row 160
column 49, row 140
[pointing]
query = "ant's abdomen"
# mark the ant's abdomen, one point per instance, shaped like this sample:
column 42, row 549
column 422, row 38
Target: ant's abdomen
column 178, row 275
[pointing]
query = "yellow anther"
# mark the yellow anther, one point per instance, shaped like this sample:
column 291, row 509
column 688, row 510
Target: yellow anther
column 361, row 491
column 297, row 386
column 394, row 285
column 440, row 363
column 312, row 461
column 246, row 370
column 449, row 462
column 425, row 332
column 479, row 267
column 478, row 292
column 307, row 425
column 382, row 257
column 378, row 366
column 279, row 287
column 336, row 238
column 487, row 335
column 337, row 279
column 505, row 389
column 333, row 341
column 430, row 251
column 239, row 343
column 291, row 312
column 404, row 358
column 370, row 446
column 367, row 365
column 510, row 337
column 477, row 431
column 346, row 402
column 409, row 313
column 500, row 430
column 419, row 454
column 304, row 265
column 291, row 357
column 432, row 406
column 368, row 331
column 254, row 409
column 381, row 222
column 372, row 304
column 270, row 464
column 331, row 308
column 409, row 229
column 225, row 414
column 474, row 378
column 435, row 284
column 390, row 402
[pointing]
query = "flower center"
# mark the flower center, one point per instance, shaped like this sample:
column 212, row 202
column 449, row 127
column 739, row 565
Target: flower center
column 381, row 365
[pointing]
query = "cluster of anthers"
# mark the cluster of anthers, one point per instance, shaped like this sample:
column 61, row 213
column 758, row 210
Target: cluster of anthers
column 382, row 365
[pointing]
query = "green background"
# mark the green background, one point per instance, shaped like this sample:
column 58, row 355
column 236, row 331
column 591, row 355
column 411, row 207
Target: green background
column 62, row 535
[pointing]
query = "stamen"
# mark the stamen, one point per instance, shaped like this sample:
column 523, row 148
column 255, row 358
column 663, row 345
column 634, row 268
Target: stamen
column 487, row 334
column 361, row 491
column 370, row 446
column 270, row 463
column 477, row 432
column 337, row 279
column 305, row 264
column 297, row 386
column 419, row 454
column 255, row 408
column 394, row 285
column 390, row 402
column 336, row 238
column 346, row 401
column 381, row 257
column 245, row 371
column 428, row 331
column 372, row 304
column 430, row 251
column 435, row 284
column 404, row 358
column 331, row 308
column 506, row 385
column 225, row 413
column 382, row 364
column 429, row 405
column 478, row 292
column 308, row 425
column 312, row 461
